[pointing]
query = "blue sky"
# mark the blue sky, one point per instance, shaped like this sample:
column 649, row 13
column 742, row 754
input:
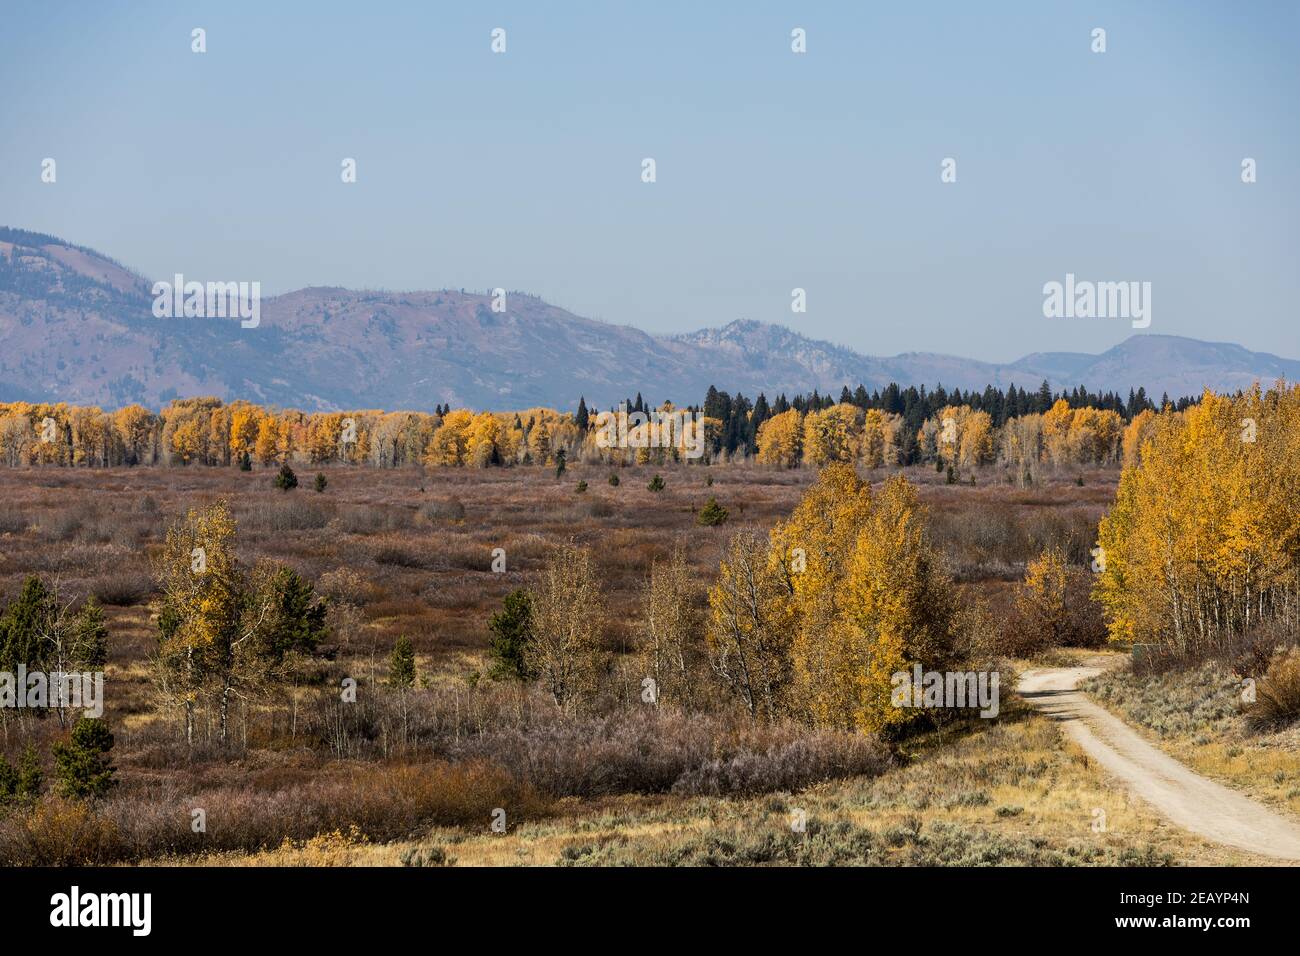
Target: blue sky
column 775, row 170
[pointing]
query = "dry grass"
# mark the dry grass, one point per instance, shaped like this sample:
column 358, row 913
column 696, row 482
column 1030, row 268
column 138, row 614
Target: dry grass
column 1010, row 793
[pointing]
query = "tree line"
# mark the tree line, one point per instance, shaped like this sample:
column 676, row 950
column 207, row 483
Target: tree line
column 208, row 431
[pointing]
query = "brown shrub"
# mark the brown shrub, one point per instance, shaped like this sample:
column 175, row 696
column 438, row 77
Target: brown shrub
column 1251, row 654
column 367, row 519
column 289, row 516
column 1277, row 701
column 645, row 751
column 387, row 801
column 446, row 509
column 793, row 765
column 123, row 589
column 13, row 520
column 58, row 832
column 404, row 555
column 345, row 586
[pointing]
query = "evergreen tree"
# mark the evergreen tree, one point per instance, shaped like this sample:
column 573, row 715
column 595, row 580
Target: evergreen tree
column 712, row 514
column 31, row 779
column 760, row 414
column 294, row 619
column 717, row 404
column 909, row 450
column 90, row 636
column 82, row 764
column 22, row 625
column 737, row 426
column 511, row 629
column 22, row 784
column 1043, row 401
column 401, row 664
column 286, row 480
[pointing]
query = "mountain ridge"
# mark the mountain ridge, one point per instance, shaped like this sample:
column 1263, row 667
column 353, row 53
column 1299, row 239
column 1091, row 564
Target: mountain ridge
column 78, row 327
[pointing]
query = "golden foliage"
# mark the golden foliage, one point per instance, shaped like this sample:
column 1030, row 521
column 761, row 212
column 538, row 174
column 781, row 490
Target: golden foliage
column 1204, row 537
column 780, row 440
column 832, row 435
column 847, row 593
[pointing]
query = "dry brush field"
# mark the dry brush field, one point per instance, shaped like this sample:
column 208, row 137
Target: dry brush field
column 421, row 542
column 413, row 778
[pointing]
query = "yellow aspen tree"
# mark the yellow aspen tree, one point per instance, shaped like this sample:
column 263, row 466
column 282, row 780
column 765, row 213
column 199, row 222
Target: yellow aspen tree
column 1135, row 433
column 268, row 439
column 244, row 421
column 780, row 439
column 874, row 439
column 831, row 435
column 975, row 435
column 450, row 443
column 198, row 576
column 1201, row 541
column 1041, row 604
column 900, row 607
column 483, row 441
column 1056, row 431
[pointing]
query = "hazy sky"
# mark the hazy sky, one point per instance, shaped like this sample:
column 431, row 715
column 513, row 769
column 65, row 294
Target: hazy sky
column 775, row 170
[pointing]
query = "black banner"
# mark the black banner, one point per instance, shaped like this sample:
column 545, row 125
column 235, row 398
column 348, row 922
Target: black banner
column 160, row 905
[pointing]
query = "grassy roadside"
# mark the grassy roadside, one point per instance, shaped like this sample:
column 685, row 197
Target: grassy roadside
column 1012, row 792
column 1196, row 716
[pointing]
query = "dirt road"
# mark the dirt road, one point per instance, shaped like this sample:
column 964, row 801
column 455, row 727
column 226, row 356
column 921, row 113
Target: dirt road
column 1187, row 799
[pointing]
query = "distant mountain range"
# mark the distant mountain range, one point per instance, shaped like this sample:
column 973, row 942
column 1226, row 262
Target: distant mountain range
column 79, row 327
